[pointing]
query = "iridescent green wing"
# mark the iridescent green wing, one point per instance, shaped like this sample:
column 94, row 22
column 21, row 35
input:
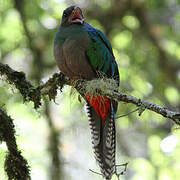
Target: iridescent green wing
column 100, row 54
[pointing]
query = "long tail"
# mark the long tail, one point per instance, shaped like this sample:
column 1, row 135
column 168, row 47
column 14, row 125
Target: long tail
column 102, row 125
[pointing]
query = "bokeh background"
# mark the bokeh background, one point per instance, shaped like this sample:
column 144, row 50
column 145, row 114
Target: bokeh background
column 145, row 36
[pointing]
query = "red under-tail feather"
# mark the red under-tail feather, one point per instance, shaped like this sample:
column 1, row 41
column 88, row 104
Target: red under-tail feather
column 101, row 105
column 102, row 125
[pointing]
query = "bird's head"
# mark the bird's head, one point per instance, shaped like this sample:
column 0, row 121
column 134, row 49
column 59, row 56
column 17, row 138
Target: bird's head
column 72, row 15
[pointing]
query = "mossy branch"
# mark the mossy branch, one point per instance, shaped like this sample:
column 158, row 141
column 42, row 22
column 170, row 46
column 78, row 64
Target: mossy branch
column 27, row 90
column 15, row 165
column 57, row 81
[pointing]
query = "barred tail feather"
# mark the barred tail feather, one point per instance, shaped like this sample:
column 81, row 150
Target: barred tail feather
column 103, row 140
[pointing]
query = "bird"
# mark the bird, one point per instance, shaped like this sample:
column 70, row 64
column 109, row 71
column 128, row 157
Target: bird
column 84, row 52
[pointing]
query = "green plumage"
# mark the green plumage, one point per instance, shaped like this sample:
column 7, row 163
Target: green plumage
column 98, row 53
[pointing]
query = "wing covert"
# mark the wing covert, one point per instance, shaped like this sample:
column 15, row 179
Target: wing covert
column 100, row 54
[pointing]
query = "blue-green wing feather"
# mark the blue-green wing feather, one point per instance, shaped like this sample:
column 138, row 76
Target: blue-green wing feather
column 100, row 54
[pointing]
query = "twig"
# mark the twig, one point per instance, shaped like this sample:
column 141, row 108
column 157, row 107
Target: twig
column 125, row 168
column 122, row 172
column 95, row 172
column 120, row 116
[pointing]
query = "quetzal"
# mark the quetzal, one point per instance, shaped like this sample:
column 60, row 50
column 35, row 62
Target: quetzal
column 84, row 52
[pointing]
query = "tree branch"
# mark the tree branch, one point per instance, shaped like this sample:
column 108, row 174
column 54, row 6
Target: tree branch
column 15, row 165
column 57, row 81
column 175, row 116
column 53, row 147
column 27, row 90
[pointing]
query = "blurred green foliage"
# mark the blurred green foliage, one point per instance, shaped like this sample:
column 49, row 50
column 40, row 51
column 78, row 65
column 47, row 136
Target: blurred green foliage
column 147, row 50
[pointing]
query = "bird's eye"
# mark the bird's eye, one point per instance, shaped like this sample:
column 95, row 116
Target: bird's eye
column 65, row 14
